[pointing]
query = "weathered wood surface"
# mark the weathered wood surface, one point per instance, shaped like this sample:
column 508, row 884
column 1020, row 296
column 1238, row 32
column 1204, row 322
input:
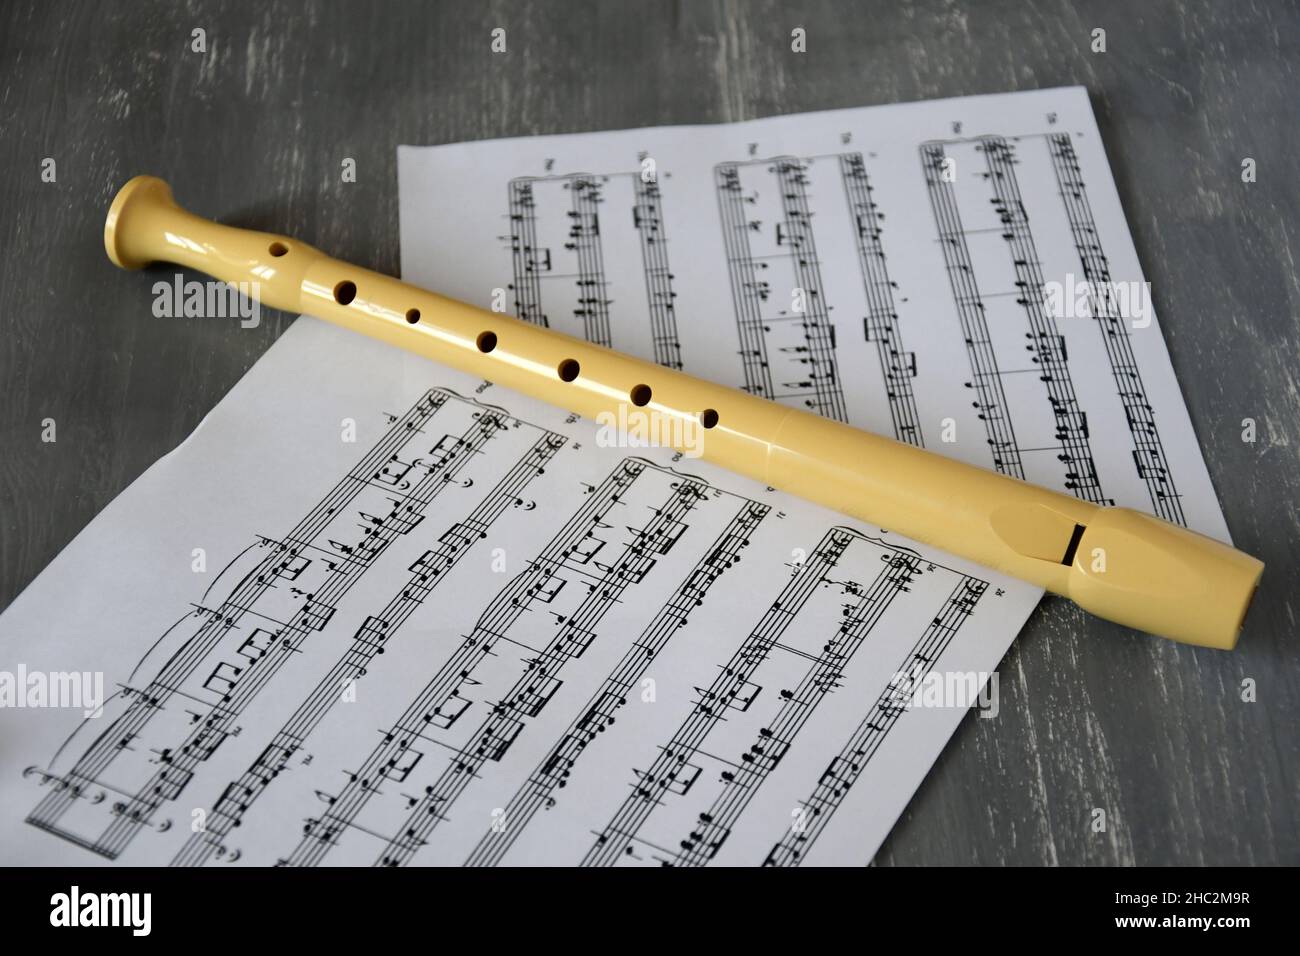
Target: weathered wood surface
column 1091, row 716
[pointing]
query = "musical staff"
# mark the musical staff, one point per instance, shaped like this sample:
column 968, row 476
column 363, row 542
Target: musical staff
column 574, row 559
column 589, row 299
column 824, row 675
column 376, row 633
column 584, row 241
column 787, row 340
column 735, row 695
column 1046, row 344
column 380, row 470
column 265, row 623
column 1148, row 451
column 990, row 403
column 848, row 766
column 573, row 261
column 440, row 701
column 897, row 365
column 647, row 216
column 540, row 790
column 540, row 677
column 530, row 262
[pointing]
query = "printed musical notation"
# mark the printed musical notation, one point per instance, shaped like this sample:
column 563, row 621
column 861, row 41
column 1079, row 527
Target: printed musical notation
column 557, row 242
column 540, row 790
column 962, row 222
column 581, row 574
column 986, row 380
column 466, row 645
column 815, row 812
column 935, row 272
column 648, row 217
column 292, row 589
column 1148, row 452
column 787, row 341
column 373, row 637
column 881, row 324
column 937, row 300
column 741, row 695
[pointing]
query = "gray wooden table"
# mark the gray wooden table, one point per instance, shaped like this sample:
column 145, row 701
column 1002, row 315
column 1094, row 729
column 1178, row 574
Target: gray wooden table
column 254, row 130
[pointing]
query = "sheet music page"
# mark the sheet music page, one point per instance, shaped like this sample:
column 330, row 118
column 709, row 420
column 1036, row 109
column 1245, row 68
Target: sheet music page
column 955, row 273
column 377, row 612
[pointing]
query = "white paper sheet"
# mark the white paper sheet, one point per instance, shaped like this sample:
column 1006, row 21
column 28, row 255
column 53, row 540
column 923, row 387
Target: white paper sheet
column 472, row 635
column 374, row 611
column 871, row 264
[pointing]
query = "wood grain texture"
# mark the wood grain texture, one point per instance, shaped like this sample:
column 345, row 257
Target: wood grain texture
column 254, row 131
